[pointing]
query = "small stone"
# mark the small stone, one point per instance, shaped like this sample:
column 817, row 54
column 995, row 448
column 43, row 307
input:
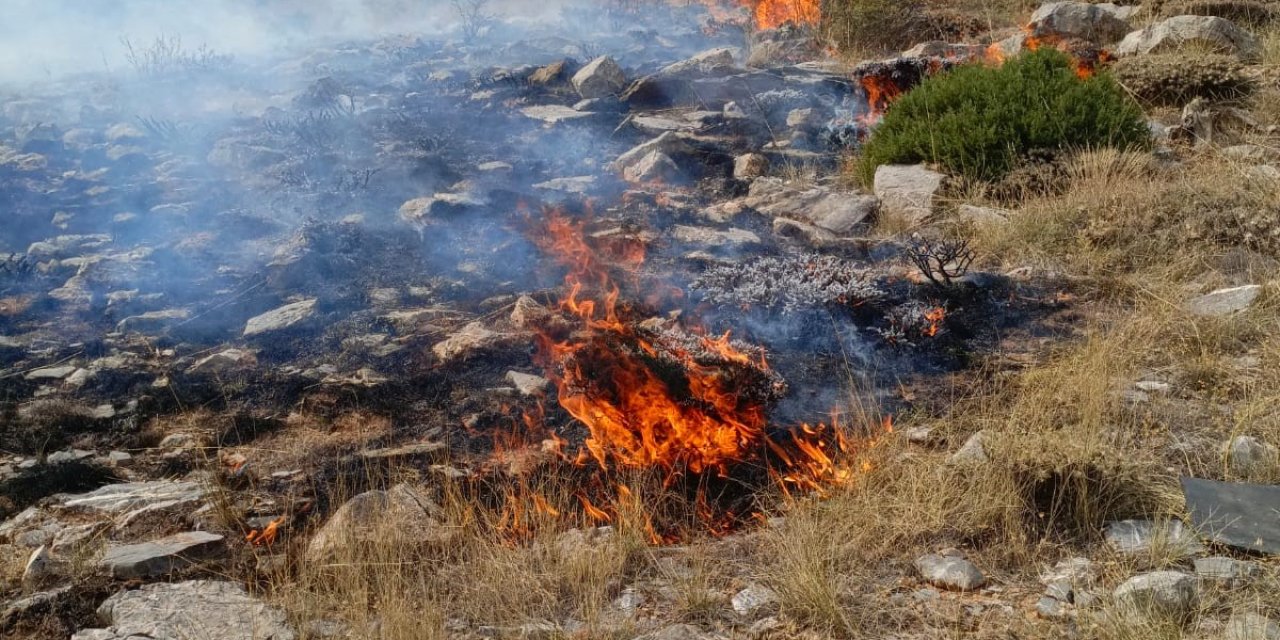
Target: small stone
column 974, row 450
column 950, row 573
column 909, row 191
column 120, row 458
column 528, row 313
column 719, row 238
column 1140, row 537
column 629, row 601
column 527, row 384
column 754, row 600
column 1228, row 572
column 655, row 166
column 290, row 315
column 599, row 78
column 1224, row 302
column 1162, row 593
column 750, row 165
column 1248, row 456
column 1050, row 609
column 472, row 339
column 1251, row 626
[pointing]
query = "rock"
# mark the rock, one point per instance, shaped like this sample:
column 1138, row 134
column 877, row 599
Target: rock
column 52, row 373
column 732, row 238
column 839, row 212
column 528, row 313
column 126, row 503
column 669, row 144
column 1228, row 572
column 909, row 191
column 554, row 114
column 32, row 605
column 750, row 165
column 1050, row 608
column 713, row 62
column 290, row 315
column 629, row 601
column 950, row 572
column 399, row 515
column 601, row 77
column 159, row 557
column 555, row 73
column 811, row 235
column 40, row 570
column 472, row 339
column 1224, row 302
column 407, row 451
column 223, row 362
column 1139, row 537
column 575, row 184
column 974, row 450
column 1068, row 577
column 1248, row 455
column 1202, row 32
column 981, row 215
column 1251, row 626
column 1160, row 593
column 527, row 384
column 678, row 632
column 754, row 601
column 804, row 119
column 655, row 166
column 1077, row 20
column 194, row 609
column 153, row 321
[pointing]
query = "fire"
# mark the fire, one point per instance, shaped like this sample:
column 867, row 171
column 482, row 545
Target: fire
column 267, row 536
column 881, row 91
column 934, row 317
column 771, row 14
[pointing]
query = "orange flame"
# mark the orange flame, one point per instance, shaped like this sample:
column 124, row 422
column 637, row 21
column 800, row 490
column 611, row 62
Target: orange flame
column 771, row 14
column 935, row 318
column 267, row 536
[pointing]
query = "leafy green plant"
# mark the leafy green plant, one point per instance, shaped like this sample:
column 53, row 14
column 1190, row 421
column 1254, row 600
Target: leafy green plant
column 978, row 121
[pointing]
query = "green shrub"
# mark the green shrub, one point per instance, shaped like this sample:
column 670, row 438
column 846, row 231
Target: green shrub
column 1174, row 79
column 978, row 121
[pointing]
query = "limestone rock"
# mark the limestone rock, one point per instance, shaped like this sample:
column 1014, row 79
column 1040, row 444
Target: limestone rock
column 601, row 77
column 527, row 384
column 950, row 572
column 127, row 503
column 1138, row 537
column 1223, row 302
column 1228, row 572
column 734, row 238
column 1209, row 32
column 754, row 601
column 159, row 557
column 1248, row 455
column 910, row 191
column 655, row 166
column 290, row 315
column 194, row 609
column 224, row 361
column 750, row 165
column 472, row 339
column 399, row 515
column 1163, row 593
column 974, row 450
column 1077, row 20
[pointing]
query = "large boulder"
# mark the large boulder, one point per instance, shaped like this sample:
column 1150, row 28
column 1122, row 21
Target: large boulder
column 1203, row 32
column 1077, row 20
column 600, row 78
column 909, row 191
column 194, row 609
column 399, row 515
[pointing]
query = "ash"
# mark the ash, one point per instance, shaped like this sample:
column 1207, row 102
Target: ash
column 789, row 283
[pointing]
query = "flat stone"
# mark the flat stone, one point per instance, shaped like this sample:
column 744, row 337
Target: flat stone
column 153, row 321
column 194, row 609
column 1163, row 593
column 1139, row 537
column 1228, row 572
column 1204, row 32
column 127, row 502
column 159, row 557
column 472, row 339
column 1225, row 301
column 555, row 113
column 720, row 238
column 223, row 362
column 527, row 384
column 811, row 235
column 1235, row 514
column 981, row 215
column 575, row 184
column 290, row 315
column 950, row 572
column 52, row 373
column 679, row 632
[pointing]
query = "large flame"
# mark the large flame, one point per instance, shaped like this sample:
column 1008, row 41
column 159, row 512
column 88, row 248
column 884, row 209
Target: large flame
column 771, row 14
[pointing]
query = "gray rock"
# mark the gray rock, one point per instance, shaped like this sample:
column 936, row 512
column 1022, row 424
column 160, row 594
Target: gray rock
column 1248, row 456
column 1225, row 301
column 160, row 557
column 1068, row 578
column 290, row 315
column 40, row 570
column 599, row 78
column 194, row 609
column 223, row 362
column 1051, row 608
column 527, row 384
column 713, row 62
column 1251, row 626
column 556, row 114
column 1077, row 20
column 629, row 601
column 811, row 235
column 835, row 211
column 950, row 572
column 52, row 373
column 399, row 515
column 1160, row 593
column 32, row 604
column 528, row 313
column 981, row 215
column 669, row 144
column 128, row 502
column 754, row 601
column 909, row 191
column 1210, row 32
column 471, row 339
column 153, row 321
column 974, row 450
column 655, row 166
column 733, row 238
column 1141, row 537
column 1228, row 572
column 750, row 165
column 575, row 184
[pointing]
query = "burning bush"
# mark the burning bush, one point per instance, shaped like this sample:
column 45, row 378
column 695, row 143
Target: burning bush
column 877, row 25
column 1174, row 80
column 789, row 283
column 979, row 121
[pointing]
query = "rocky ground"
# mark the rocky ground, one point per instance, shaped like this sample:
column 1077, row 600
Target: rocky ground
column 269, row 348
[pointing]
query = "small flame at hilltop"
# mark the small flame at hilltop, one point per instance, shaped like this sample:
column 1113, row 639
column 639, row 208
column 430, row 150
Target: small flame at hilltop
column 771, row 14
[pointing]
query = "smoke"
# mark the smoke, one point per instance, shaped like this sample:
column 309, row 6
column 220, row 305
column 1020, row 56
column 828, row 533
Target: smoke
column 47, row 39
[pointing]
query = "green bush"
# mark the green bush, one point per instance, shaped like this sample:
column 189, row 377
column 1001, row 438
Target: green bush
column 1176, row 79
column 978, row 121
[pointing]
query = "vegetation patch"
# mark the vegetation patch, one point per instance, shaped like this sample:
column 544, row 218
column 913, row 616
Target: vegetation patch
column 1174, row 80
